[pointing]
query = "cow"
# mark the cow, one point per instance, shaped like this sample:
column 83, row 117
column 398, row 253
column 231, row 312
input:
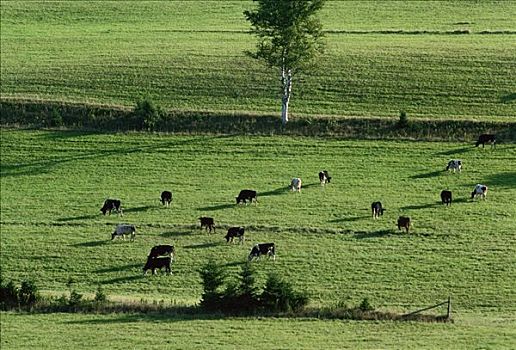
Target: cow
column 324, row 177
column 377, row 210
column 262, row 249
column 166, row 198
column 235, row 232
column 111, row 204
column 454, row 164
column 207, row 223
column 295, row 184
column 486, row 138
column 122, row 229
column 404, row 222
column 446, row 197
column 160, row 250
column 246, row 195
column 157, row 263
column 480, row 190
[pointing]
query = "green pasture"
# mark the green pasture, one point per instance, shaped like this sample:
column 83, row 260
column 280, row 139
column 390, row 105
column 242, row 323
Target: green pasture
column 189, row 55
column 53, row 184
column 123, row 331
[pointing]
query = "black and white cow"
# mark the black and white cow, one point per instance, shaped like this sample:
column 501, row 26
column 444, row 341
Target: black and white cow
column 446, row 197
column 208, row 223
column 295, row 184
column 263, row 249
column 404, row 222
column 166, row 198
column 162, row 250
column 247, row 195
column 486, row 138
column 479, row 191
column 110, row 205
column 233, row 232
column 122, row 230
column 157, row 263
column 454, row 164
column 377, row 210
column 324, row 177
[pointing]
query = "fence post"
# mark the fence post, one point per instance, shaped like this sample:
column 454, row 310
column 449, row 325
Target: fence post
column 448, row 315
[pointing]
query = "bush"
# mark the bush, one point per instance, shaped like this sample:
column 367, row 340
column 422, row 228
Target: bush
column 146, row 115
column 8, row 296
column 403, row 121
column 365, row 305
column 28, row 294
column 100, row 296
column 279, row 295
column 212, row 277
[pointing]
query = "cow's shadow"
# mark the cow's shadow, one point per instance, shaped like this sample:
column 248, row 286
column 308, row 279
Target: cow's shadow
column 123, row 279
column 374, row 234
column 203, row 245
column 139, row 209
column 82, row 217
column 456, row 151
column 119, row 268
column 422, row 206
column 276, row 192
column 218, row 207
column 351, row 219
column 428, row 175
column 91, row 244
column 176, row 233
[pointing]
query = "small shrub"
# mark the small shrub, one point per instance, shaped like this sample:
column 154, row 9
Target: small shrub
column 8, row 296
column 365, row 305
column 28, row 293
column 75, row 299
column 100, row 296
column 278, row 295
column 146, row 114
column 212, row 277
column 403, row 121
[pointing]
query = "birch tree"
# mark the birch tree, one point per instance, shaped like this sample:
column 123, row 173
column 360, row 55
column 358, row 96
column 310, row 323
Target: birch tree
column 289, row 38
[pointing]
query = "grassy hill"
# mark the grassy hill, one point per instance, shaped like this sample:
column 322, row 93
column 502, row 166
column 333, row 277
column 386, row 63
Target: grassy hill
column 382, row 57
column 53, row 184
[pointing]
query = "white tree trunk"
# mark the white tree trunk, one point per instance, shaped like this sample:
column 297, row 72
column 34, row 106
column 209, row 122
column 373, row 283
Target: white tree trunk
column 286, row 81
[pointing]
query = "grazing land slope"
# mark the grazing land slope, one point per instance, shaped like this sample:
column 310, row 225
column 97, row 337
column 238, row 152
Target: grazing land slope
column 446, row 59
column 53, row 185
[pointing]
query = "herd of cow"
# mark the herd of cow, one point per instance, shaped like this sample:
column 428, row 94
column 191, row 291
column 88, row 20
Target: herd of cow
column 161, row 256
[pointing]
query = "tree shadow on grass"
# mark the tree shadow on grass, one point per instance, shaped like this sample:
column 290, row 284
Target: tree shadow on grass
column 235, row 263
column 508, row 98
column 507, row 180
column 203, row 245
column 374, row 234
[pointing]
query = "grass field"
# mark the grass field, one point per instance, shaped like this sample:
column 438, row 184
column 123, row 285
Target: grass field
column 189, row 55
column 53, row 184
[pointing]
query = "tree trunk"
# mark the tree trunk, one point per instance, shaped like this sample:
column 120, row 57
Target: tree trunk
column 286, row 81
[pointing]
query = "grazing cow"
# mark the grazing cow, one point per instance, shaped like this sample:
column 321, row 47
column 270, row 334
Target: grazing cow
column 480, row 190
column 246, row 195
column 377, row 210
column 486, row 138
column 295, row 184
column 160, row 250
column 111, row 204
column 157, row 263
column 235, row 232
column 404, row 222
column 446, row 197
column 262, row 249
column 207, row 223
column 166, row 198
column 122, row 229
column 324, row 177
column 454, row 164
